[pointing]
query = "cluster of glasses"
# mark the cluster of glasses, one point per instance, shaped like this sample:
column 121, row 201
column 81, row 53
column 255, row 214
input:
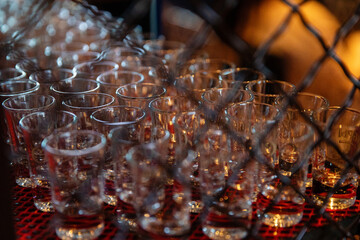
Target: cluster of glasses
column 90, row 121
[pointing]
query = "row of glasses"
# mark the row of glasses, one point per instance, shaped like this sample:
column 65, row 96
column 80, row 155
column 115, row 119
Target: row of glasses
column 135, row 78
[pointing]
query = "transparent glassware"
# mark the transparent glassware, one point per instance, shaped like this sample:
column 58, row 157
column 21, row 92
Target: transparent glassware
column 35, row 127
column 75, row 160
column 15, row 108
column 111, row 81
column 83, row 105
column 156, row 216
column 67, row 88
column 11, row 74
column 48, row 77
column 328, row 166
column 91, row 70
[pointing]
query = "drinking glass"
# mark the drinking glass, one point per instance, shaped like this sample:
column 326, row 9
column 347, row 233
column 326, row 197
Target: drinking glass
column 227, row 197
column 210, row 66
column 195, row 85
column 188, row 126
column 139, row 95
column 311, row 105
column 33, row 64
column 64, row 89
column 239, row 77
column 249, row 120
column 10, row 74
column 15, row 108
column 110, row 81
column 281, row 203
column 163, row 110
column 83, row 105
column 152, row 68
column 35, row 127
column 329, row 167
column 75, row 161
column 70, row 60
column 105, row 119
column 162, row 210
column 12, row 89
column 266, row 91
column 126, row 57
column 59, row 48
column 91, row 70
column 167, row 50
column 215, row 101
column 48, row 77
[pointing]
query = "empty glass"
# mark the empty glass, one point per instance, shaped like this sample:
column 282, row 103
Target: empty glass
column 226, row 195
column 266, row 91
column 105, row 119
column 67, row 88
column 330, row 168
column 83, row 105
column 194, row 85
column 281, row 202
column 16, row 108
column 11, row 89
column 110, row 81
column 91, row 70
column 160, row 212
column 35, row 127
column 9, row 74
column 48, row 77
column 239, row 77
column 210, row 66
column 70, row 60
column 75, row 165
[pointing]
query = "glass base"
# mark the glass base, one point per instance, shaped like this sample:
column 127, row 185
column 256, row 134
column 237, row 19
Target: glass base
column 221, row 233
column 335, row 203
column 130, row 223
column 74, row 233
column 44, row 206
column 282, row 220
column 110, row 199
column 24, row 182
column 164, row 228
column 196, row 206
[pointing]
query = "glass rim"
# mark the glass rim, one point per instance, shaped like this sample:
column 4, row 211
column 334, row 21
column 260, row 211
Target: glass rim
column 254, row 82
column 52, row 87
column 90, row 63
column 251, row 104
column 251, row 99
column 136, row 120
column 152, row 108
column 8, row 108
column 60, row 45
column 65, row 70
column 25, row 127
column 163, row 92
column 107, row 73
column 22, row 73
column 148, row 145
column 88, row 94
column 180, row 82
column 22, row 92
column 229, row 71
column 75, row 152
column 335, row 109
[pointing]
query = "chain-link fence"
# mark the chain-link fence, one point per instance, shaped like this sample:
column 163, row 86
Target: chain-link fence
column 274, row 45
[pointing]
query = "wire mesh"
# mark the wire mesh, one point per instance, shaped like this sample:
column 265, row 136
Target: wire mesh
column 213, row 14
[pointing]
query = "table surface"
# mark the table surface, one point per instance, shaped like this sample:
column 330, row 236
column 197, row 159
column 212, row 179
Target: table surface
column 31, row 223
